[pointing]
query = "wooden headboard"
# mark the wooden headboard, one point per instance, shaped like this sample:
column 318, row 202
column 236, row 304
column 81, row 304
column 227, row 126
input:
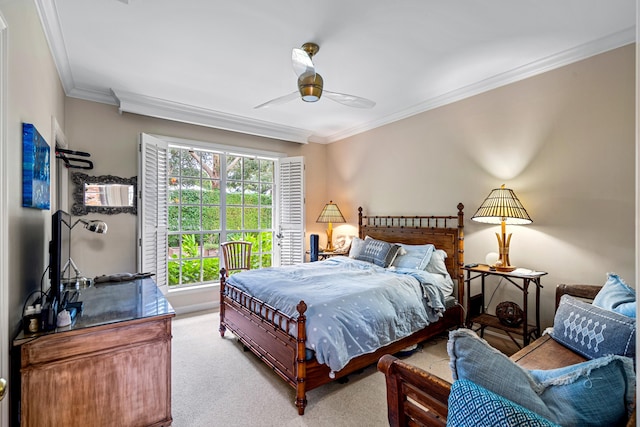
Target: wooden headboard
column 444, row 232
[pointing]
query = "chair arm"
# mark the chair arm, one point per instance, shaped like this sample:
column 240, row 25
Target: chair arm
column 413, row 394
column 579, row 291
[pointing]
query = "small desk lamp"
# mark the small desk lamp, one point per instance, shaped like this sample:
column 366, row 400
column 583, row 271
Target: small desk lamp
column 502, row 207
column 94, row 226
column 330, row 213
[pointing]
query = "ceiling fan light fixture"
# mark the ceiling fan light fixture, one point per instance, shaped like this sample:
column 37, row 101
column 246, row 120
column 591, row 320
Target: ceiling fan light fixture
column 310, row 87
column 310, row 83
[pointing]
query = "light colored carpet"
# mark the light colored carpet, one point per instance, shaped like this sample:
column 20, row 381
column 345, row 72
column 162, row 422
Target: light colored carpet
column 204, row 364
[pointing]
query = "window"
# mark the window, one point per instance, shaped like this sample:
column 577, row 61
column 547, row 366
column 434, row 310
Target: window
column 194, row 197
column 216, row 197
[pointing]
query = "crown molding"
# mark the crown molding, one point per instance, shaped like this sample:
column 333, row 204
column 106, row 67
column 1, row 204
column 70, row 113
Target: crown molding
column 53, row 33
column 587, row 50
column 94, row 95
column 154, row 107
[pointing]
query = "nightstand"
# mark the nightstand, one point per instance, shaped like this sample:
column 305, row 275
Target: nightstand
column 486, row 320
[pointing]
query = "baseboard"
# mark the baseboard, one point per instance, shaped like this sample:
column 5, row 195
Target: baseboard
column 185, row 309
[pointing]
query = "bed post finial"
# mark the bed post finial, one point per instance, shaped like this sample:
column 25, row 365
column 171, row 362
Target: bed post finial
column 301, row 307
column 360, row 222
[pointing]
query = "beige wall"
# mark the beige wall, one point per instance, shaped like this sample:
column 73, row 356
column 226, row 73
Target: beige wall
column 564, row 141
column 35, row 95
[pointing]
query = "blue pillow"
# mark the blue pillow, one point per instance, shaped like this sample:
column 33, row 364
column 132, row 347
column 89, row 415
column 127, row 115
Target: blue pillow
column 594, row 393
column 616, row 296
column 378, row 252
column 593, row 331
column 474, row 406
column 413, row 256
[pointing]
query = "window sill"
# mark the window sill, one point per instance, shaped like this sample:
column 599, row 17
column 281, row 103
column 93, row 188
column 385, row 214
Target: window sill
column 195, row 288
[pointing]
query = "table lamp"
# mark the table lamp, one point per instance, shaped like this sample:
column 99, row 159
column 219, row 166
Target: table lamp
column 330, row 213
column 502, row 207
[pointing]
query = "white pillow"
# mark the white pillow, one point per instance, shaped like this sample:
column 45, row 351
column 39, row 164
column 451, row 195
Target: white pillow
column 356, row 247
column 436, row 264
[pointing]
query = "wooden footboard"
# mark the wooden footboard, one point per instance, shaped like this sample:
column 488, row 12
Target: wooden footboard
column 265, row 331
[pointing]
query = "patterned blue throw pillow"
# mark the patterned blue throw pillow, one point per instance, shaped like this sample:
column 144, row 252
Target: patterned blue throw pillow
column 592, row 331
column 378, row 252
column 471, row 405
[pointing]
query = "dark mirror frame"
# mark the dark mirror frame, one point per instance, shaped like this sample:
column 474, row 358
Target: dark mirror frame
column 80, row 179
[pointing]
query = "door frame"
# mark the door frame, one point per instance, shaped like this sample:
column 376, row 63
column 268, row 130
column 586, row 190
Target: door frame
column 4, row 224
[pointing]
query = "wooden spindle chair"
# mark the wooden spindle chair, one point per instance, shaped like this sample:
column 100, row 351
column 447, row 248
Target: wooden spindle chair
column 236, row 255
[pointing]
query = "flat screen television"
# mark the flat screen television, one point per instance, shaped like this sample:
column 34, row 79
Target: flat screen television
column 59, row 253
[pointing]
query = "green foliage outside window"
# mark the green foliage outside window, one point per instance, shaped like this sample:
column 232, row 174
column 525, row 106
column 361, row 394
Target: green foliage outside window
column 194, row 214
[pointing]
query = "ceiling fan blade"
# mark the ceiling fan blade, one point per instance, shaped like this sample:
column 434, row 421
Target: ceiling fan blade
column 349, row 100
column 279, row 101
column 301, row 62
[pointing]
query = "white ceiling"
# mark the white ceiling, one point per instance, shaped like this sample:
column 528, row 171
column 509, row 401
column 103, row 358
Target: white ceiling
column 209, row 62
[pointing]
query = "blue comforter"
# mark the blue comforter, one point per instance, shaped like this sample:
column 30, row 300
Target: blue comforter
column 354, row 307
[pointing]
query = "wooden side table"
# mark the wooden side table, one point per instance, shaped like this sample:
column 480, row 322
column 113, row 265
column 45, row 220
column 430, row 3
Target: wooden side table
column 520, row 281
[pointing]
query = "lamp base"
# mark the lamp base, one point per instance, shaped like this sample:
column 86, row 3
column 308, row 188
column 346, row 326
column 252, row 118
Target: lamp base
column 506, row 269
column 329, row 247
column 503, row 263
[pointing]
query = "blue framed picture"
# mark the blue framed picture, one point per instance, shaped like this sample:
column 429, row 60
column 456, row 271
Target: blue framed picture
column 35, row 169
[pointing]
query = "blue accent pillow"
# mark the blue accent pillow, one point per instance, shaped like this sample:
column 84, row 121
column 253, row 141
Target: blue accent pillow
column 593, row 331
column 378, row 252
column 616, row 296
column 413, row 256
column 594, row 393
column 474, row 406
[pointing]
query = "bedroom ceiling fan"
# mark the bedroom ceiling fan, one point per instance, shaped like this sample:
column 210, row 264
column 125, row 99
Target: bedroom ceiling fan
column 310, row 83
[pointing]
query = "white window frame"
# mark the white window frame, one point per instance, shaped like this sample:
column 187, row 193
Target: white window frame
column 154, row 240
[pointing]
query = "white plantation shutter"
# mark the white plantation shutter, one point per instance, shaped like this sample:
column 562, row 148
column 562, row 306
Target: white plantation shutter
column 152, row 209
column 291, row 210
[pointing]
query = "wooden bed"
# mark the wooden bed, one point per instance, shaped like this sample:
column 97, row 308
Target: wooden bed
column 263, row 329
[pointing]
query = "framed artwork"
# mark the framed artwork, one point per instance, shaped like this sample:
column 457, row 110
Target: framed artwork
column 35, row 169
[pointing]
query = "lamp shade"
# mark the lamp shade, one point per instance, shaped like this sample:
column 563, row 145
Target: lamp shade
column 331, row 213
column 502, row 204
column 95, row 226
